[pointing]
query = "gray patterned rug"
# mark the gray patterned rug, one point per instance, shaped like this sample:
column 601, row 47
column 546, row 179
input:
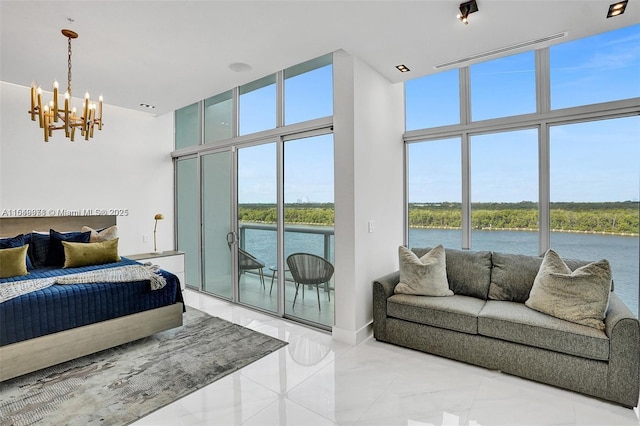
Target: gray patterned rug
column 120, row 385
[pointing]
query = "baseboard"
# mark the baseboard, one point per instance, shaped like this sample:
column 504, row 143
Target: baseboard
column 352, row 337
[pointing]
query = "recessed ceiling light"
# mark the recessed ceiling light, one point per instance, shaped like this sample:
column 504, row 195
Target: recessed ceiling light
column 147, row 106
column 402, row 68
column 239, row 67
column 617, row 8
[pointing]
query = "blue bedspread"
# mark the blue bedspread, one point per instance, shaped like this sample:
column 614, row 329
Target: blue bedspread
column 62, row 307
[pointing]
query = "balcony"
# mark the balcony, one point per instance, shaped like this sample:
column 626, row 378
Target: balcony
column 260, row 240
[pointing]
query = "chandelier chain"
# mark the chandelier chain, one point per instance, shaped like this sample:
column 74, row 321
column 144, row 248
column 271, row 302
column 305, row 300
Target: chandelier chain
column 69, row 69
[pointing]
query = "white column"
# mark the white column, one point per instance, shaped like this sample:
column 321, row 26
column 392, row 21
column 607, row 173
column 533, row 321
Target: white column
column 369, row 176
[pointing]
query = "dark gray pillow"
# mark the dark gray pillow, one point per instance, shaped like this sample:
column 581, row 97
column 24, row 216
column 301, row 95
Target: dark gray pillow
column 513, row 275
column 468, row 272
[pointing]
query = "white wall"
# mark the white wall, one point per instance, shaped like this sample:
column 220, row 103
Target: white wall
column 125, row 166
column 369, row 175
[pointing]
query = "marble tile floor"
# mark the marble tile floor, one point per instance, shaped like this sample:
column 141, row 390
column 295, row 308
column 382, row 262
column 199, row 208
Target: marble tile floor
column 318, row 381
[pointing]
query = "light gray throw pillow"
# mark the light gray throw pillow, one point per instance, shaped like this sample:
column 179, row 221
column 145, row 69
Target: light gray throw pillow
column 581, row 296
column 424, row 276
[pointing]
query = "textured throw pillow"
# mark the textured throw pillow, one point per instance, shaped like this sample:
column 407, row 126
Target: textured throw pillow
column 17, row 241
column 39, row 248
column 13, row 261
column 426, row 275
column 581, row 296
column 82, row 254
column 468, row 272
column 55, row 256
column 101, row 235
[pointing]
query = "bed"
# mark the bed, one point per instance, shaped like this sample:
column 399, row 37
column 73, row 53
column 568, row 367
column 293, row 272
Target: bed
column 69, row 319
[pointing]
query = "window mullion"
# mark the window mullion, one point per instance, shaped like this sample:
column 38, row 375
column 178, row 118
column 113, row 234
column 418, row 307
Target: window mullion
column 544, row 236
column 280, row 99
column 465, row 119
column 543, row 106
column 466, row 191
column 543, row 80
column 235, row 112
column 465, row 96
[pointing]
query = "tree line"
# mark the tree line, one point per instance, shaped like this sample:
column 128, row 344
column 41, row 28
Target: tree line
column 307, row 213
column 611, row 217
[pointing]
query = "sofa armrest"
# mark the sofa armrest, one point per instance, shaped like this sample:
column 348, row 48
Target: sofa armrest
column 382, row 289
column 623, row 330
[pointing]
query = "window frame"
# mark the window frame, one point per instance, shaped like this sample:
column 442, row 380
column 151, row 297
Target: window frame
column 543, row 119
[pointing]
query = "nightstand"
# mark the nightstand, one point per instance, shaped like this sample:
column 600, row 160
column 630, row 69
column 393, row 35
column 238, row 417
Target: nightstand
column 170, row 260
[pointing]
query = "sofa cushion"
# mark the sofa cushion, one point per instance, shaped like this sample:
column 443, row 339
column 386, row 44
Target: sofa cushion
column 459, row 313
column 512, row 275
column 468, row 272
column 425, row 275
column 514, row 322
column 580, row 296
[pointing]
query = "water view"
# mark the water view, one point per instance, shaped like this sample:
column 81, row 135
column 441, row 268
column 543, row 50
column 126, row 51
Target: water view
column 620, row 251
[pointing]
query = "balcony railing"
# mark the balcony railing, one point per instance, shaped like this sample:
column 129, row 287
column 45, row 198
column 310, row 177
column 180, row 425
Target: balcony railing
column 325, row 231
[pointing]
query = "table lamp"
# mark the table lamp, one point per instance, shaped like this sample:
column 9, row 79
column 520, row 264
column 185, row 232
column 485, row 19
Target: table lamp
column 157, row 217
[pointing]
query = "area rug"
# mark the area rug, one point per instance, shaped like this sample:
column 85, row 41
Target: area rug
column 120, row 385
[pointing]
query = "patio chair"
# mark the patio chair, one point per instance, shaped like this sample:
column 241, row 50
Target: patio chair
column 309, row 269
column 248, row 262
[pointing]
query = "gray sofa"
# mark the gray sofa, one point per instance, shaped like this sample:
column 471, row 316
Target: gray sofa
column 486, row 323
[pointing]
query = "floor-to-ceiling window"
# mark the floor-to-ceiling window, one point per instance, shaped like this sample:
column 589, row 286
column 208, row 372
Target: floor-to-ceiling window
column 258, row 142
column 543, row 153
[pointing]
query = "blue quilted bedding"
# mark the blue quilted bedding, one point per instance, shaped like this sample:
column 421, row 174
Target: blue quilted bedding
column 62, row 307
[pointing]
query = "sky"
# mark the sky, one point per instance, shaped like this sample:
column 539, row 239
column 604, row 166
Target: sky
column 308, row 171
column 589, row 162
column 594, row 161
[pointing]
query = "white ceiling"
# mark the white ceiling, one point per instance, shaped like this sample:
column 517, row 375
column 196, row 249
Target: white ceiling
column 173, row 53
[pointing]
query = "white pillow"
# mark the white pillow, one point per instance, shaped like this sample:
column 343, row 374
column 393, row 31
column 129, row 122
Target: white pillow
column 106, row 234
column 425, row 276
column 581, row 296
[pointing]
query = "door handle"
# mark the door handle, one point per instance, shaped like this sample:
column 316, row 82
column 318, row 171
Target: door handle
column 231, row 237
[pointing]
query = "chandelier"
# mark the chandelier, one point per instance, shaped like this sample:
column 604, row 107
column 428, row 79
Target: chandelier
column 53, row 116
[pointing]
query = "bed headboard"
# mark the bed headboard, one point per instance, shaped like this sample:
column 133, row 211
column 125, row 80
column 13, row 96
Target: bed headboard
column 12, row 226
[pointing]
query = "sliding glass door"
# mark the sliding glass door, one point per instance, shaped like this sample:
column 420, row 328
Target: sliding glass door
column 217, row 233
column 257, row 226
column 248, row 208
column 188, row 219
column 309, row 229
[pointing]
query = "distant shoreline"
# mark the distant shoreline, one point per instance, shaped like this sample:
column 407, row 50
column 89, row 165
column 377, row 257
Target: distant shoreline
column 569, row 231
